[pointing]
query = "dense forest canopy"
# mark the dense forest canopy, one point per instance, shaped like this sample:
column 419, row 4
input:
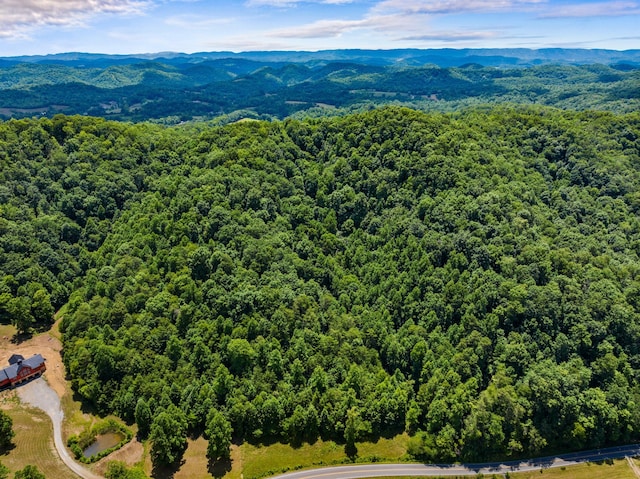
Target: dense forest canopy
column 471, row 278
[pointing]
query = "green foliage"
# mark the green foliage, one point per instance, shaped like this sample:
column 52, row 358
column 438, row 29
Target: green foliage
column 4, row 471
column 119, row 470
column 228, row 91
column 6, row 430
column 355, row 429
column 218, row 432
column 143, row 417
column 471, row 278
column 29, row 472
column 168, row 436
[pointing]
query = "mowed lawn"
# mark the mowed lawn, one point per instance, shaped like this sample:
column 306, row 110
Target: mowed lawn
column 33, row 442
column 249, row 461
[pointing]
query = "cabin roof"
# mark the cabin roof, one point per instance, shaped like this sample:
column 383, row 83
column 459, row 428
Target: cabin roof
column 12, row 371
column 16, row 358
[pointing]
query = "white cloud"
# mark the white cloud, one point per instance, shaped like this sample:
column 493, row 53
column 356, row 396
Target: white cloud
column 237, row 44
column 18, row 17
column 196, row 21
column 292, row 3
column 598, row 9
column 451, row 36
column 452, row 6
column 335, row 28
column 544, row 8
column 319, row 29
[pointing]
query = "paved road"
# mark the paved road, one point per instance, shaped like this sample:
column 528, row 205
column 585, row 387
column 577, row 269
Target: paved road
column 387, row 470
column 38, row 393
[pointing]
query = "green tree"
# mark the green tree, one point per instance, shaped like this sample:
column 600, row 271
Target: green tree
column 168, row 436
column 41, row 308
column 29, row 472
column 142, row 416
column 6, row 430
column 119, row 470
column 355, row 429
column 20, row 312
column 241, row 355
column 218, row 432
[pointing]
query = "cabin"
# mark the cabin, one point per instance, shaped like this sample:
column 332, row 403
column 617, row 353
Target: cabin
column 21, row 370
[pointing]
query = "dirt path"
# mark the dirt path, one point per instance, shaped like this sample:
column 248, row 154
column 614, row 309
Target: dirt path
column 37, row 393
column 634, row 467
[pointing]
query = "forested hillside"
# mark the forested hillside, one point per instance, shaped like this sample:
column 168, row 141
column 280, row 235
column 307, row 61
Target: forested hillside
column 471, row 278
column 230, row 89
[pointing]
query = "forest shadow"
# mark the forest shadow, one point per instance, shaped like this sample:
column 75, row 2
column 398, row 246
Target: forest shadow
column 7, row 449
column 260, row 441
column 296, row 443
column 85, row 406
column 219, row 468
column 19, row 338
column 166, row 472
column 388, row 433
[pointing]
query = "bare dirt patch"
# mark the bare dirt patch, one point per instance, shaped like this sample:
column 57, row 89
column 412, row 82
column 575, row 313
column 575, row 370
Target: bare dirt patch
column 46, row 344
column 130, row 454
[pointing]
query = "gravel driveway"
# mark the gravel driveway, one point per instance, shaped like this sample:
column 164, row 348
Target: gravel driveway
column 37, row 393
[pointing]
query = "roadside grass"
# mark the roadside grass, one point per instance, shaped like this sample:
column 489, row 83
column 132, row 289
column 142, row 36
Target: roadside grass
column 264, row 461
column 253, row 462
column 33, row 442
column 249, row 461
column 618, row 469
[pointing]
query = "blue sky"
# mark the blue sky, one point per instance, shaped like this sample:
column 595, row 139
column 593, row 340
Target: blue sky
column 30, row 27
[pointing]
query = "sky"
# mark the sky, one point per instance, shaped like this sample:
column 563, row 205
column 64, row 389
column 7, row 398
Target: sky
column 38, row 27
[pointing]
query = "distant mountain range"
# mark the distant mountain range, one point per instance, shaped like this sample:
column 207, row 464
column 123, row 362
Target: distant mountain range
column 172, row 87
column 496, row 57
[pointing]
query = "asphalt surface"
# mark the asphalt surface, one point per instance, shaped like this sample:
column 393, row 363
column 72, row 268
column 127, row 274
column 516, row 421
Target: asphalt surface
column 387, row 470
column 37, row 393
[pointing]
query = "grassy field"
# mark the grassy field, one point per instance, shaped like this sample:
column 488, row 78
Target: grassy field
column 251, row 462
column 33, row 441
column 616, row 470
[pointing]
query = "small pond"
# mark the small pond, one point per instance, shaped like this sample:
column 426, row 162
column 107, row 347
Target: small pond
column 102, row 442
